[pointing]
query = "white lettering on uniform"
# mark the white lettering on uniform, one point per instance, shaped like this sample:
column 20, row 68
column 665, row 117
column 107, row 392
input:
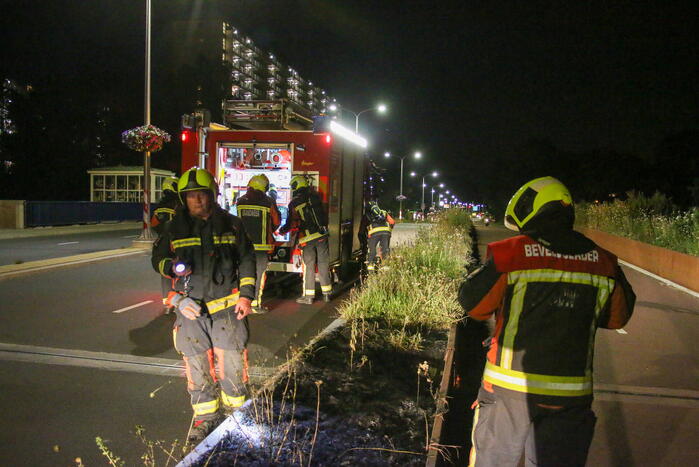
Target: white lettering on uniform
column 540, row 250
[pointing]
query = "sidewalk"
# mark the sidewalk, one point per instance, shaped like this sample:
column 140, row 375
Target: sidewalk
column 67, row 229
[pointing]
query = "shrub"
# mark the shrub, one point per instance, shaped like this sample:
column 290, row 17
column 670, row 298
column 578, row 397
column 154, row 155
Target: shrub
column 654, row 220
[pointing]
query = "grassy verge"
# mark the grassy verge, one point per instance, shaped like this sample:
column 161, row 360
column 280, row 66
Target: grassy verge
column 654, row 220
column 366, row 394
column 417, row 289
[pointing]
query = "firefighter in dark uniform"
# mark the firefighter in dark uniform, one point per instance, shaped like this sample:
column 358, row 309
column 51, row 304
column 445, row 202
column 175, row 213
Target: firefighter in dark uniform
column 261, row 219
column 378, row 224
column 549, row 288
column 208, row 254
column 162, row 214
column 306, row 213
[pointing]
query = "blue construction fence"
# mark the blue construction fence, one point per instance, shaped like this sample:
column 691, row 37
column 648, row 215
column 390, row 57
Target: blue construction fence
column 44, row 213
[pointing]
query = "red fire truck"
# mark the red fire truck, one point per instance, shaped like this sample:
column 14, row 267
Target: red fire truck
column 279, row 139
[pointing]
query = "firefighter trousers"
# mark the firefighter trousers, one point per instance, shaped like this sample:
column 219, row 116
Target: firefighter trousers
column 214, row 356
column 382, row 239
column 261, row 263
column 316, row 253
column 504, row 428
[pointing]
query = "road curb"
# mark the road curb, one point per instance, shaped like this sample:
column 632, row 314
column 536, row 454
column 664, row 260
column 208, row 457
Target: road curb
column 13, row 270
column 9, row 234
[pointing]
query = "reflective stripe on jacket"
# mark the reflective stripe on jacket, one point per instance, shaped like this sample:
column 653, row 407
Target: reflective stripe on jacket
column 307, row 213
column 548, row 307
column 218, row 252
column 164, row 212
column 260, row 216
column 384, row 225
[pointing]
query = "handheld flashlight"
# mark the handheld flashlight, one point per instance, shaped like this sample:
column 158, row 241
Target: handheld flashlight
column 180, row 268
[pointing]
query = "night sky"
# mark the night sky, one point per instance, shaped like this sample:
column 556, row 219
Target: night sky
column 466, row 82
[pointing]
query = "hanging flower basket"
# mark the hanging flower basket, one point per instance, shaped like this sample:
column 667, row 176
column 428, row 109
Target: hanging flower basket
column 145, row 138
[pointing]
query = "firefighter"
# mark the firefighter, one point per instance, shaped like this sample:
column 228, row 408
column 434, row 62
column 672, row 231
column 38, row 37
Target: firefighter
column 378, row 225
column 261, row 218
column 306, row 213
column 549, row 288
column 207, row 253
column 162, row 214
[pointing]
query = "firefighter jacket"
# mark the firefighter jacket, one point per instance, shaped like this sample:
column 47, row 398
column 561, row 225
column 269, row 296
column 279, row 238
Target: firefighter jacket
column 379, row 223
column 218, row 252
column 307, row 213
column 260, row 216
column 164, row 211
column 549, row 297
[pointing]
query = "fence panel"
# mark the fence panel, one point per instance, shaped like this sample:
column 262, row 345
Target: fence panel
column 44, row 213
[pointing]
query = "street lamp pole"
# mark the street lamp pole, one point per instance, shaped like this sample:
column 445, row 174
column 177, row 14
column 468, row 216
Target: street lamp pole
column 147, row 234
column 380, row 108
column 417, row 155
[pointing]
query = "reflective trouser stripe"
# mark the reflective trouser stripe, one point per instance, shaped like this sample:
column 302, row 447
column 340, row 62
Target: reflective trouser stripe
column 532, row 383
column 309, row 291
column 214, row 306
column 232, row 401
column 326, row 288
column 472, row 455
column 205, row 408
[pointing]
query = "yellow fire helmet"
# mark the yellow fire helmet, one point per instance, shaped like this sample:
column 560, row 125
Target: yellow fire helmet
column 259, row 182
column 298, row 181
column 196, row 179
column 170, row 184
column 532, row 198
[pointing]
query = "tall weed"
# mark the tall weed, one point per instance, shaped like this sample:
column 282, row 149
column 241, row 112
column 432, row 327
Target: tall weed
column 654, row 220
column 417, row 288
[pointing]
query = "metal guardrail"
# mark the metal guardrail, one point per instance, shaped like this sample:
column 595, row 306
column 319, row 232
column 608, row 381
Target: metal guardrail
column 45, row 213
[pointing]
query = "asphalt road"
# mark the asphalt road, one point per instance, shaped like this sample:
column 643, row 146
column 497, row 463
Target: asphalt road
column 22, row 250
column 83, row 347
column 646, row 376
column 85, row 352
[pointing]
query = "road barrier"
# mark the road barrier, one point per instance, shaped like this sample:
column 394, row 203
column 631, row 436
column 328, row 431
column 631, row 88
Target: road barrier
column 45, row 213
column 680, row 268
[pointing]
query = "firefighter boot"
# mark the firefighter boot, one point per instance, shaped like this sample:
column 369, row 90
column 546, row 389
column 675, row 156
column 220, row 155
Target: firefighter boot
column 305, row 300
column 200, row 430
column 326, row 297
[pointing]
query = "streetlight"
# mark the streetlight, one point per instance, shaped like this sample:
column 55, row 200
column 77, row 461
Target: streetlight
column 381, row 108
column 413, row 174
column 147, row 234
column 416, row 155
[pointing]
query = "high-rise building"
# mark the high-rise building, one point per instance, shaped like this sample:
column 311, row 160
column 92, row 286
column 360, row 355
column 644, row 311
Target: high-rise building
column 254, row 74
column 258, row 75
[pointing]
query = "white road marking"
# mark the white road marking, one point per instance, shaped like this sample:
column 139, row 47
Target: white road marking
column 661, row 279
column 621, row 331
column 68, row 243
column 121, row 310
column 130, row 236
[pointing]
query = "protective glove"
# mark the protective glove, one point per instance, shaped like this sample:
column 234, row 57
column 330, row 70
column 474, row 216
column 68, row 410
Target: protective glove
column 185, row 305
